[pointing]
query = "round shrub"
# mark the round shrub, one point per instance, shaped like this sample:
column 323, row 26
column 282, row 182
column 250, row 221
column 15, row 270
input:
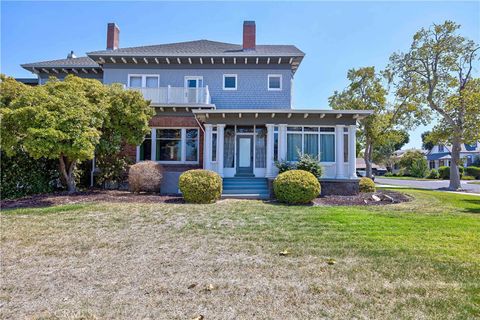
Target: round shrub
column 296, row 187
column 200, row 186
column 468, row 178
column 444, row 172
column 473, row 171
column 366, row 185
column 145, row 176
column 433, row 174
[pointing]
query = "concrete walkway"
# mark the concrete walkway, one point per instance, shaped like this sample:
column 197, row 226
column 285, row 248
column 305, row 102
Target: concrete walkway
column 440, row 185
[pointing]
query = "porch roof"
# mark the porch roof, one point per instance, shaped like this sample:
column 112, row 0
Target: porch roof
column 287, row 116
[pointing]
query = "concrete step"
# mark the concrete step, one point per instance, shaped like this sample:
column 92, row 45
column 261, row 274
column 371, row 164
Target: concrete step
column 246, row 196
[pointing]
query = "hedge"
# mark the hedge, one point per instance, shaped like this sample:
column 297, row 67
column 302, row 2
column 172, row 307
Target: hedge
column 444, row 172
column 366, row 185
column 473, row 171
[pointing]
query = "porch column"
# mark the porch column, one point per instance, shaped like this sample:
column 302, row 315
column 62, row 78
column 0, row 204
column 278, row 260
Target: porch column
column 282, row 142
column 339, row 161
column 154, row 144
column 352, row 152
column 220, row 142
column 207, row 154
column 270, row 142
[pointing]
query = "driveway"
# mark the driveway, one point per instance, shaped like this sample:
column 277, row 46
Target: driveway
column 427, row 184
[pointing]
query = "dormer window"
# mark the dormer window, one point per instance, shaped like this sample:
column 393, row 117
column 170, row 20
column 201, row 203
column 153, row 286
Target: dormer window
column 229, row 82
column 274, row 82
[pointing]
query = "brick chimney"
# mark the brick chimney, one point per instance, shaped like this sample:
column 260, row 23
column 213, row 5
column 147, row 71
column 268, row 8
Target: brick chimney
column 249, row 35
column 113, row 36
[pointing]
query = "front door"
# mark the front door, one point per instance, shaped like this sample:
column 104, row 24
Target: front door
column 192, row 89
column 244, row 155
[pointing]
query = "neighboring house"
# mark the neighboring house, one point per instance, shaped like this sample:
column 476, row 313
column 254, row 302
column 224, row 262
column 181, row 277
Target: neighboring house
column 376, row 169
column 440, row 155
column 222, row 107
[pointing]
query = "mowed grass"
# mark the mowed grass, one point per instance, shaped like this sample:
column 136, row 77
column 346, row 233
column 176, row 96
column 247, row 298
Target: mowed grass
column 415, row 260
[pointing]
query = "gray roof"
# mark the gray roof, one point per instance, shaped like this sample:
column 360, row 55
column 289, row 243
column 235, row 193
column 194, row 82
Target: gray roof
column 80, row 62
column 201, row 48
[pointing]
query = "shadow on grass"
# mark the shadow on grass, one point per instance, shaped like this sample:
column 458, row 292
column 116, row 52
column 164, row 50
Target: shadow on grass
column 475, row 208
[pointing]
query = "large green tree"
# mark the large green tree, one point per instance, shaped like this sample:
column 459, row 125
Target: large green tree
column 68, row 120
column 366, row 92
column 384, row 151
column 435, row 75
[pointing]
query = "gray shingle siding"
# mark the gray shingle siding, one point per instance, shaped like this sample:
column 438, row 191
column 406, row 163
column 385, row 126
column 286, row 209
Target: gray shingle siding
column 252, row 87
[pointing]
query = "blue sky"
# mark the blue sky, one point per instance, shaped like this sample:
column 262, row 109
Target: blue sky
column 335, row 36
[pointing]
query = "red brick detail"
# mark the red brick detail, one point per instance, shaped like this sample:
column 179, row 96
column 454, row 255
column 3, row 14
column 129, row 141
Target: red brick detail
column 249, row 35
column 175, row 122
column 113, row 36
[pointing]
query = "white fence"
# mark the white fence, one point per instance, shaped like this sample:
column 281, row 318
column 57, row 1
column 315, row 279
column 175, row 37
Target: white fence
column 175, row 95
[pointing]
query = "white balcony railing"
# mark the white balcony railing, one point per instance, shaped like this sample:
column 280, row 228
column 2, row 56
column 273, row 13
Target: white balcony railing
column 175, row 95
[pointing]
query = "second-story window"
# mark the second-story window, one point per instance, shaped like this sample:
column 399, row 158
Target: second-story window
column 274, row 82
column 143, row 81
column 229, row 82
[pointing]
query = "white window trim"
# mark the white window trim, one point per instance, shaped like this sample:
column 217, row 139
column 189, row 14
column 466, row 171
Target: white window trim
column 236, row 81
column 144, row 79
column 303, row 133
column 276, row 76
column 184, row 145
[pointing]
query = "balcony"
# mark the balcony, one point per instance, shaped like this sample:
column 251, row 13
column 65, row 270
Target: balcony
column 176, row 95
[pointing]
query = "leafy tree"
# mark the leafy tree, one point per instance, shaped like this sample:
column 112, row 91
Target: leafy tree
column 427, row 144
column 366, row 92
column 419, row 168
column 409, row 158
column 383, row 153
column 435, row 76
column 66, row 120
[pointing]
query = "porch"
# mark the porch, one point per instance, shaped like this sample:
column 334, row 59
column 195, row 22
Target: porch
column 175, row 95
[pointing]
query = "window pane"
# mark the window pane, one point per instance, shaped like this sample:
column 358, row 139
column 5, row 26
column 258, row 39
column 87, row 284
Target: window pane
column 135, row 82
column 229, row 147
column 169, row 133
column 294, row 146
column 192, row 133
column 327, row 147
column 310, row 129
column 345, row 148
column 310, row 145
column 275, row 146
column 191, row 150
column 230, row 82
column 152, row 82
column 146, row 149
column 169, row 150
column 329, row 129
column 260, row 147
column 214, row 147
column 294, row 129
column 245, row 129
column 274, row 82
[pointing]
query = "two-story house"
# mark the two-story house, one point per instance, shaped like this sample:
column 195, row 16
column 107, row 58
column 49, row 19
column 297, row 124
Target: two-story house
column 441, row 155
column 222, row 107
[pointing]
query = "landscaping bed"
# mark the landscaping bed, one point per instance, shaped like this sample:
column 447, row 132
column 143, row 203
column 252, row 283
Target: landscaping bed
column 59, row 198
column 381, row 197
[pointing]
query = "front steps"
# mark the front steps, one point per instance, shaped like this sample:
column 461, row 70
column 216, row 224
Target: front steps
column 245, row 188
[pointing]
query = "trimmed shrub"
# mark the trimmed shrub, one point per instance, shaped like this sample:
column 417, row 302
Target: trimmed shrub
column 433, row 174
column 468, row 178
column 200, row 186
column 296, row 187
column 389, row 174
column 310, row 164
column 366, row 185
column 444, row 172
column 145, row 176
column 473, row 171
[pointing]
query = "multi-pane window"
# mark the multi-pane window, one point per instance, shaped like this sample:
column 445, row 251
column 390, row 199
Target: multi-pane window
column 345, row 144
column 275, row 143
column 274, row 82
column 260, row 147
column 214, row 144
column 172, row 145
column 144, row 81
column 191, row 138
column 314, row 141
column 229, row 82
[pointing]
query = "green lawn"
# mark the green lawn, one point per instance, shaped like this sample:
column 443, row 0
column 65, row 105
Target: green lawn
column 474, row 182
column 405, row 178
column 414, row 260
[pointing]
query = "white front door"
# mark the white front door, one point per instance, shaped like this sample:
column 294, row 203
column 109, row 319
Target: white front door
column 192, row 89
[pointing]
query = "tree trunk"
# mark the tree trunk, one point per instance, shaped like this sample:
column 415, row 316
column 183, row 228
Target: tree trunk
column 367, row 156
column 454, row 163
column 66, row 169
